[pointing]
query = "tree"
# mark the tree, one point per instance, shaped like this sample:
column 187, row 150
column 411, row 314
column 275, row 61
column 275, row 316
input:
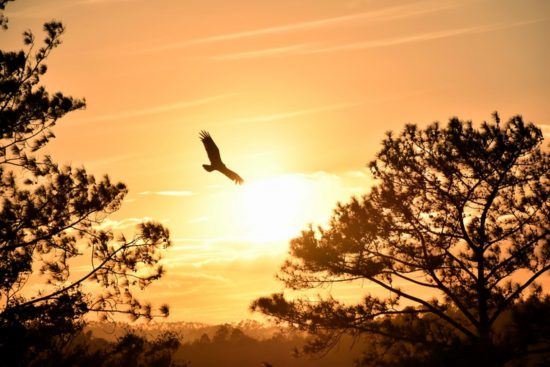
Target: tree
column 134, row 350
column 129, row 350
column 3, row 19
column 50, row 215
column 455, row 229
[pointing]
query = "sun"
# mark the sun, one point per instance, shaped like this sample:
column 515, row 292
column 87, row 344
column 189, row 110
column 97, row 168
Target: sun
column 276, row 208
column 267, row 212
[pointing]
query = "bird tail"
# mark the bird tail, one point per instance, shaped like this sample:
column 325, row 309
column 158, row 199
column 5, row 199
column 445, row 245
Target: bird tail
column 208, row 167
column 232, row 175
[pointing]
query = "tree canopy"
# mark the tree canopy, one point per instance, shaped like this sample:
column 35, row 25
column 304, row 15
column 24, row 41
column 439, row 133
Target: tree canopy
column 455, row 229
column 52, row 214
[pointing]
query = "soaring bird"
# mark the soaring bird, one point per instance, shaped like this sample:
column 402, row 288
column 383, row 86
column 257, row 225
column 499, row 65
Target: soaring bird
column 216, row 163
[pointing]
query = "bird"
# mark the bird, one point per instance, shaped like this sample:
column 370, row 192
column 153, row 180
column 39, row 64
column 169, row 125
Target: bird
column 216, row 163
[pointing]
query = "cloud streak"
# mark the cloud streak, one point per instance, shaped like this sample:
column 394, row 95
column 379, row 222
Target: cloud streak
column 391, row 13
column 198, row 220
column 168, row 193
column 291, row 114
column 121, row 224
column 309, row 49
column 308, row 111
column 421, row 37
column 299, row 48
column 157, row 109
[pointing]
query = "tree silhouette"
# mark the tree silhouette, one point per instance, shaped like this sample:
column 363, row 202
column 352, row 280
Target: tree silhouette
column 50, row 215
column 3, row 19
column 456, row 229
column 129, row 350
column 133, row 350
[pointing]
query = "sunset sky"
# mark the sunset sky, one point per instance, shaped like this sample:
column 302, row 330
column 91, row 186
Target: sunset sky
column 297, row 95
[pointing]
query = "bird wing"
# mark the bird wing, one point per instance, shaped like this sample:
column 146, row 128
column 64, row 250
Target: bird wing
column 211, row 148
column 232, row 175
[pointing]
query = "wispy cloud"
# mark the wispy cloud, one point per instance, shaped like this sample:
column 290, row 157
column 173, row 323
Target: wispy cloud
column 358, row 174
column 168, row 193
column 193, row 277
column 421, row 37
column 300, row 48
column 396, row 12
column 198, row 220
column 308, row 49
column 290, row 114
column 158, row 109
column 121, row 224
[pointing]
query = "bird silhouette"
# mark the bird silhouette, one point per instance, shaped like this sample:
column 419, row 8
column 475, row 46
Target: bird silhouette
column 216, row 163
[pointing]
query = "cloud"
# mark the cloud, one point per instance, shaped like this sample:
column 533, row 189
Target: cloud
column 216, row 291
column 420, row 37
column 309, row 49
column 265, row 52
column 396, row 12
column 251, row 237
column 200, row 252
column 121, row 224
column 357, row 174
column 157, row 109
column 192, row 277
column 198, row 220
column 290, row 114
column 168, row 193
column 313, row 110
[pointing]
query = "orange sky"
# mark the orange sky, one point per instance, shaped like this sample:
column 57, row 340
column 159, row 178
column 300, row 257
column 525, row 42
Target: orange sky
column 297, row 94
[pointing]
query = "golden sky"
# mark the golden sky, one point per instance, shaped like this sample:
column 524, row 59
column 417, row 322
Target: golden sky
column 297, row 95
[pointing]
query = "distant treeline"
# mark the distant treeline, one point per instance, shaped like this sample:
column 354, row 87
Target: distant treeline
column 197, row 345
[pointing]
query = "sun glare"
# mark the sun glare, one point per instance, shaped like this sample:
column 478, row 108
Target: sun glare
column 277, row 208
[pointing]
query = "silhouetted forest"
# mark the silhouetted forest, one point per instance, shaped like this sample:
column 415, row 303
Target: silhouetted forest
column 188, row 344
column 254, row 344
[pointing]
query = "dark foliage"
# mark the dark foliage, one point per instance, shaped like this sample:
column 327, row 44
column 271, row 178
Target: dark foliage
column 130, row 350
column 50, row 215
column 459, row 212
column 3, row 19
column 135, row 351
column 220, row 345
column 242, row 346
column 230, row 346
